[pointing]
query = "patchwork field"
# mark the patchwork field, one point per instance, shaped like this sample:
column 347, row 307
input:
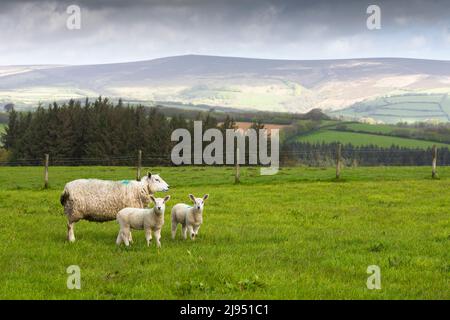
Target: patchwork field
column 295, row 235
column 409, row 108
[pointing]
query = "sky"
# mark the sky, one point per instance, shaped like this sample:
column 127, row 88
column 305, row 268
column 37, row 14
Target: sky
column 35, row 32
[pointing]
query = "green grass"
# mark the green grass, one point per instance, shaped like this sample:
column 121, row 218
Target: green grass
column 295, row 235
column 361, row 139
column 370, row 128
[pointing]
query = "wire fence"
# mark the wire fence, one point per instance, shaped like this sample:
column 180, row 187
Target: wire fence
column 319, row 158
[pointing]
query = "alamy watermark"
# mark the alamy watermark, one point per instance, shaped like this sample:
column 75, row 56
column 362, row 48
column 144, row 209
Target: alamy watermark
column 74, row 278
column 373, row 22
column 73, row 22
column 374, row 280
column 214, row 153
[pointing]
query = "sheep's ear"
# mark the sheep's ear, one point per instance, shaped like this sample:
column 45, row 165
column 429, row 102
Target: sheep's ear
column 206, row 196
column 166, row 198
column 153, row 199
column 191, row 196
column 149, row 174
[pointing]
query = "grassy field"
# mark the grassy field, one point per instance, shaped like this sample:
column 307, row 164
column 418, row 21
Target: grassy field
column 295, row 235
column 410, row 108
column 361, row 139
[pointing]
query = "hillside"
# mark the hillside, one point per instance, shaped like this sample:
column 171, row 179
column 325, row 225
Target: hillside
column 240, row 83
column 361, row 134
column 401, row 108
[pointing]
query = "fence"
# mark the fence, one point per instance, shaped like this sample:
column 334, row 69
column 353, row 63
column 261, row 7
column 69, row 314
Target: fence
column 339, row 157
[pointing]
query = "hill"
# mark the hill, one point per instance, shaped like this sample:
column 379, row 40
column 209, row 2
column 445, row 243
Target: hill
column 240, row 83
column 362, row 134
column 401, row 108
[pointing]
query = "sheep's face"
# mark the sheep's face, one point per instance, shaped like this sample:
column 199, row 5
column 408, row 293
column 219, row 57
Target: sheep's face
column 160, row 204
column 155, row 183
column 198, row 202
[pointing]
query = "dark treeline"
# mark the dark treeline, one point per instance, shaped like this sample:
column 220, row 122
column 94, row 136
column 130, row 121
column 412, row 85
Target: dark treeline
column 96, row 131
column 107, row 133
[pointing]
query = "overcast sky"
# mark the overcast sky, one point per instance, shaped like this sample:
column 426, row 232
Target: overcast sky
column 35, row 32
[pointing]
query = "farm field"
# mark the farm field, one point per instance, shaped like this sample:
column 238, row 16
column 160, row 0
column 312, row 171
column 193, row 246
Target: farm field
column 361, row 139
column 296, row 235
column 399, row 108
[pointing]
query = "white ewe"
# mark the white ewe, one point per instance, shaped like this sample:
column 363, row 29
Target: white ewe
column 189, row 217
column 100, row 200
column 142, row 219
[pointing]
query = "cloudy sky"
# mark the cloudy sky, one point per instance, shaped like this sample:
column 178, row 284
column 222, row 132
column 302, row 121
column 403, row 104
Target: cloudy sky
column 35, row 32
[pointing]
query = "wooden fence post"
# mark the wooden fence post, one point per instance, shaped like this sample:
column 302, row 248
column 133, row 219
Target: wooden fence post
column 237, row 177
column 338, row 161
column 139, row 165
column 46, row 171
column 434, row 154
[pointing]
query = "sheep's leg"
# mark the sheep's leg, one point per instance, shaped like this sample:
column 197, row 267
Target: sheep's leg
column 130, row 238
column 191, row 232
column 119, row 238
column 184, row 231
column 126, row 236
column 196, row 228
column 174, row 229
column 158, row 238
column 70, row 233
column 148, row 236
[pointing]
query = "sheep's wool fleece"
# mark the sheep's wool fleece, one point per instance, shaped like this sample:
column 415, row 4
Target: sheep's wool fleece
column 100, row 200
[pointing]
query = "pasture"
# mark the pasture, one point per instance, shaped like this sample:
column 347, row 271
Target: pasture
column 296, row 235
column 396, row 108
column 364, row 139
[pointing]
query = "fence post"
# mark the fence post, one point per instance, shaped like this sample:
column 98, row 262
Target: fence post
column 434, row 153
column 237, row 178
column 139, row 164
column 338, row 161
column 46, row 171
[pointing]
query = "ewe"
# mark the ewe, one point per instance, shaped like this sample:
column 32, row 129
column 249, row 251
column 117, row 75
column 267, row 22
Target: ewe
column 189, row 217
column 142, row 219
column 100, row 200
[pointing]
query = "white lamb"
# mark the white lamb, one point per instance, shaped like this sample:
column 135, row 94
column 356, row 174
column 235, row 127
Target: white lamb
column 189, row 217
column 148, row 219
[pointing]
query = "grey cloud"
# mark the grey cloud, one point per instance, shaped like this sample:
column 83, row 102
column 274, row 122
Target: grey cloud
column 117, row 30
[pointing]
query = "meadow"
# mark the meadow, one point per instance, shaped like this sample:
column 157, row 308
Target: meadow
column 364, row 139
column 296, row 235
column 399, row 108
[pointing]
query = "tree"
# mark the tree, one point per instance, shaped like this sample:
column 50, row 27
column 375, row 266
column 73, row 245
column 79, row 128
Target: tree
column 8, row 107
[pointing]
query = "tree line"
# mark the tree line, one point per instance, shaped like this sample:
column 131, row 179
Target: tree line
column 102, row 130
column 97, row 130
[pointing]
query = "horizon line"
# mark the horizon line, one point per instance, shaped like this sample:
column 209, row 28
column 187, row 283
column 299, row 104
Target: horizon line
column 219, row 56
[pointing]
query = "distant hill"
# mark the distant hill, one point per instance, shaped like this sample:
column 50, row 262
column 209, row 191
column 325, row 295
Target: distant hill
column 401, row 108
column 239, row 83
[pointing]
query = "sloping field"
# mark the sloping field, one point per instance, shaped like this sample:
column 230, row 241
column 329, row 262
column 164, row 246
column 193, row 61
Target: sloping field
column 409, row 108
column 361, row 139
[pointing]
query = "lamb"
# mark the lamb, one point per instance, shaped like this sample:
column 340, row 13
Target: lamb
column 189, row 217
column 101, row 200
column 142, row 219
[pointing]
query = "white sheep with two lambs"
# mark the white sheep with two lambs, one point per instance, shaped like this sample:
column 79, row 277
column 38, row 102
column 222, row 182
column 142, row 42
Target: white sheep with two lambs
column 101, row 200
column 190, row 217
column 150, row 220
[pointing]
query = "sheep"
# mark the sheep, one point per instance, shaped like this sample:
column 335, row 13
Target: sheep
column 101, row 200
column 142, row 219
column 189, row 217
